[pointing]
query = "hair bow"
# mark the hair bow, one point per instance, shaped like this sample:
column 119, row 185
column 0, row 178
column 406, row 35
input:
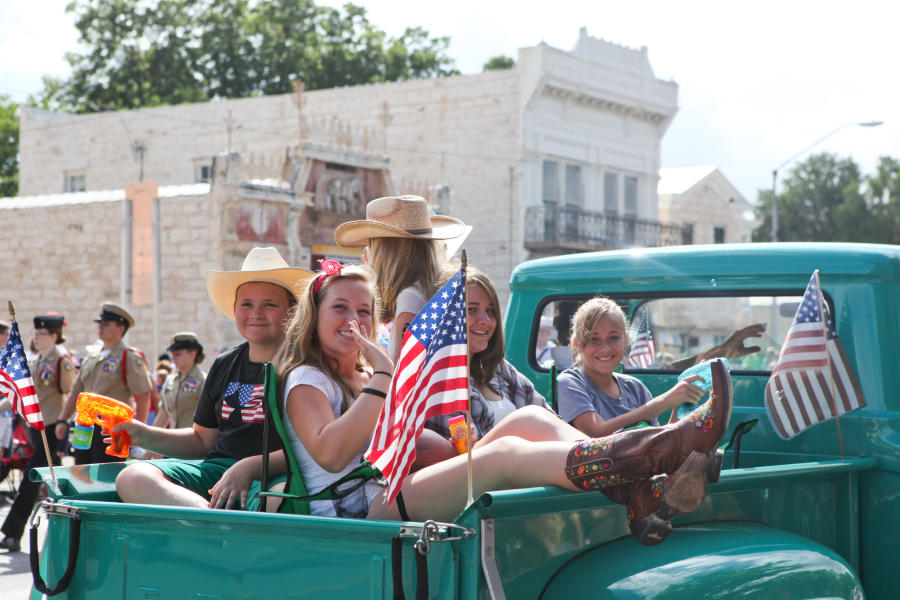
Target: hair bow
column 329, row 268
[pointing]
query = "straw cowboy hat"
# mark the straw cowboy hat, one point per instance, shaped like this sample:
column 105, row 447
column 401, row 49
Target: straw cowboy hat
column 261, row 264
column 397, row 216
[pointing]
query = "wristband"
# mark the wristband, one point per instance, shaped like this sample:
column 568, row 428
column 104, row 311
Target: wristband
column 374, row 373
column 374, row 392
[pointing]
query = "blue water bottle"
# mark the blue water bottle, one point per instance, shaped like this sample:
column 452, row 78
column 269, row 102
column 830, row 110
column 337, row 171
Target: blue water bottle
column 703, row 370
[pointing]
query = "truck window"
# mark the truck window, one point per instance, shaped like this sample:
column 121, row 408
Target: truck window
column 667, row 334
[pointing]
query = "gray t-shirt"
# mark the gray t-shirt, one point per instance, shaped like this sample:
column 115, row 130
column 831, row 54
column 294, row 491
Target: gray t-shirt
column 578, row 394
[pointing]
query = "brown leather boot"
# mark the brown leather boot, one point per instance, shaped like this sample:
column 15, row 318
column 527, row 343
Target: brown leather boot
column 639, row 454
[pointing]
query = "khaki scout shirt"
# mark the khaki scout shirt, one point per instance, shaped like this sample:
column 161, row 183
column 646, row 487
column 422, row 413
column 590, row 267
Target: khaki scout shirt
column 104, row 375
column 180, row 396
column 53, row 376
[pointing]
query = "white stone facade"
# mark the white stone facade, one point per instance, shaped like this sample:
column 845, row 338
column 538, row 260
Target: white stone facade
column 597, row 112
column 703, row 199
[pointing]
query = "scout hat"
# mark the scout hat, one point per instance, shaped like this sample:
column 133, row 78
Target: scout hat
column 185, row 340
column 116, row 314
column 261, row 264
column 397, row 216
column 49, row 321
column 4, row 326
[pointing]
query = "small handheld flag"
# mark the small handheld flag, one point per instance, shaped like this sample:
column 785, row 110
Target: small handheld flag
column 812, row 381
column 431, row 378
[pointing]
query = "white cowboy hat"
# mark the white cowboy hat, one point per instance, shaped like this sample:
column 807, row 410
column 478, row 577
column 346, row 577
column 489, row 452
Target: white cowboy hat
column 261, row 264
column 397, row 216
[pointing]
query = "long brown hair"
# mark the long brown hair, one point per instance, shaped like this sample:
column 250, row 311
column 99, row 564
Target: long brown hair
column 400, row 263
column 301, row 345
column 484, row 363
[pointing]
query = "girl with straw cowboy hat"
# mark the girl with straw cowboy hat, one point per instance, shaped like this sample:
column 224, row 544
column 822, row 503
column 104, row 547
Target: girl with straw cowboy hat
column 405, row 246
column 228, row 423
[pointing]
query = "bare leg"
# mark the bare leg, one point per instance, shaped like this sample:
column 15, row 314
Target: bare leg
column 439, row 491
column 142, row 483
column 535, row 424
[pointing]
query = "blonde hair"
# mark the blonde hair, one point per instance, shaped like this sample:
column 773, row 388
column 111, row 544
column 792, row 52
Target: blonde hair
column 484, row 363
column 586, row 317
column 301, row 345
column 400, row 263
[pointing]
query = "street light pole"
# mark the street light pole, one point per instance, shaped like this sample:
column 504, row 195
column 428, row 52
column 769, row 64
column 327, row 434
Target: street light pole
column 796, row 156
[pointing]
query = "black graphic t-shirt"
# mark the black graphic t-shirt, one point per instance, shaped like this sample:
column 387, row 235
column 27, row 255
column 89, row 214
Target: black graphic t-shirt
column 232, row 402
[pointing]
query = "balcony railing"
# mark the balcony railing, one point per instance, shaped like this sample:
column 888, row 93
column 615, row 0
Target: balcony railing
column 550, row 227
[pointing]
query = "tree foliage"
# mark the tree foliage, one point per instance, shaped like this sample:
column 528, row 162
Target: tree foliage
column 499, row 63
column 144, row 53
column 9, row 147
column 825, row 198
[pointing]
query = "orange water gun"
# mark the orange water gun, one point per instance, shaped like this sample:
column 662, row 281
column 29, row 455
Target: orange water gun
column 106, row 412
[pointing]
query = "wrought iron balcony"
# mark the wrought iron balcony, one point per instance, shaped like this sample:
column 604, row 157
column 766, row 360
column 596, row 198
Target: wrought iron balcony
column 553, row 229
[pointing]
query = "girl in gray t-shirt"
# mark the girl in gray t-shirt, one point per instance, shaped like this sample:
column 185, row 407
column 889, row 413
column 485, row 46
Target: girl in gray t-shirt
column 595, row 399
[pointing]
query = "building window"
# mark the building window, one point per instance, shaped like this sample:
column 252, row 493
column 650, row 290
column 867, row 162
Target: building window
column 687, row 234
column 550, row 182
column 75, row 182
column 630, row 195
column 574, row 191
column 718, row 235
column 610, row 192
column 202, row 173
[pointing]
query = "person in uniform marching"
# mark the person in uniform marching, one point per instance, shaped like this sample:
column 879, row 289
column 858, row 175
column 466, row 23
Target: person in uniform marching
column 53, row 375
column 113, row 370
column 181, row 390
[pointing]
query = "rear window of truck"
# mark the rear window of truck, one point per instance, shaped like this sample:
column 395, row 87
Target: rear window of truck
column 668, row 333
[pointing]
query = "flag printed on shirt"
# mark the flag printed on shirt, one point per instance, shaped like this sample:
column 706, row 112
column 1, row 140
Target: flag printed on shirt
column 250, row 399
column 16, row 382
column 642, row 353
column 812, row 381
column 431, row 378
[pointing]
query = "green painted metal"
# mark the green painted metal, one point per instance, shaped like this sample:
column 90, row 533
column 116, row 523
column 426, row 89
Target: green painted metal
column 704, row 562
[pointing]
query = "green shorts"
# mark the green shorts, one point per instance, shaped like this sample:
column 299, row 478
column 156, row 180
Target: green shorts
column 253, row 497
column 197, row 476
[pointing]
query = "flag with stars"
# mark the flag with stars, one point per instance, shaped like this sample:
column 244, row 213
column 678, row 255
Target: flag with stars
column 642, row 353
column 812, row 381
column 431, row 378
column 16, row 382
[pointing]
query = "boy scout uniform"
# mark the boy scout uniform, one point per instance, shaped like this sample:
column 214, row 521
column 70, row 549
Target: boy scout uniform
column 120, row 373
column 182, row 393
column 53, row 376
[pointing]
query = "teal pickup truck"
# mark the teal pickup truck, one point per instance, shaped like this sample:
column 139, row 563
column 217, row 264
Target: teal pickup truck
column 812, row 517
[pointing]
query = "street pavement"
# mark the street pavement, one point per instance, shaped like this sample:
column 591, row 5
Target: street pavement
column 15, row 570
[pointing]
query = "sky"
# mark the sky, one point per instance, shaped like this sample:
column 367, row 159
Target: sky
column 758, row 82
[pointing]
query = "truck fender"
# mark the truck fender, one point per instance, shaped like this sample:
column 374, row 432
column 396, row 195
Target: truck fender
column 712, row 560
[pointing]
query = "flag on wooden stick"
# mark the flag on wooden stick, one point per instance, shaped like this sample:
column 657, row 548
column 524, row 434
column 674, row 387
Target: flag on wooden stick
column 16, row 382
column 431, row 378
column 812, row 381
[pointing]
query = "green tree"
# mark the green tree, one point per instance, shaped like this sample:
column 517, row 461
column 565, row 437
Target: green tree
column 820, row 200
column 499, row 63
column 883, row 190
column 9, row 147
column 145, row 53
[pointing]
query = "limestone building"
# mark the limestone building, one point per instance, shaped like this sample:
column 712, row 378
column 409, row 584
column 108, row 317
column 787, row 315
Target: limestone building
column 559, row 154
column 705, row 206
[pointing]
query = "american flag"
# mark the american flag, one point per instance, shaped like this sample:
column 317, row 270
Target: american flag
column 16, row 381
column 250, row 398
column 811, row 365
column 642, row 352
column 431, row 378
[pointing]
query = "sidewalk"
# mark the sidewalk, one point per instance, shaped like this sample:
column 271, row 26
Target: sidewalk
column 15, row 569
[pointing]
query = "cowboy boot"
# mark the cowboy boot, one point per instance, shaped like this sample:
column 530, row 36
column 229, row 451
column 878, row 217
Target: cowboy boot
column 687, row 450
